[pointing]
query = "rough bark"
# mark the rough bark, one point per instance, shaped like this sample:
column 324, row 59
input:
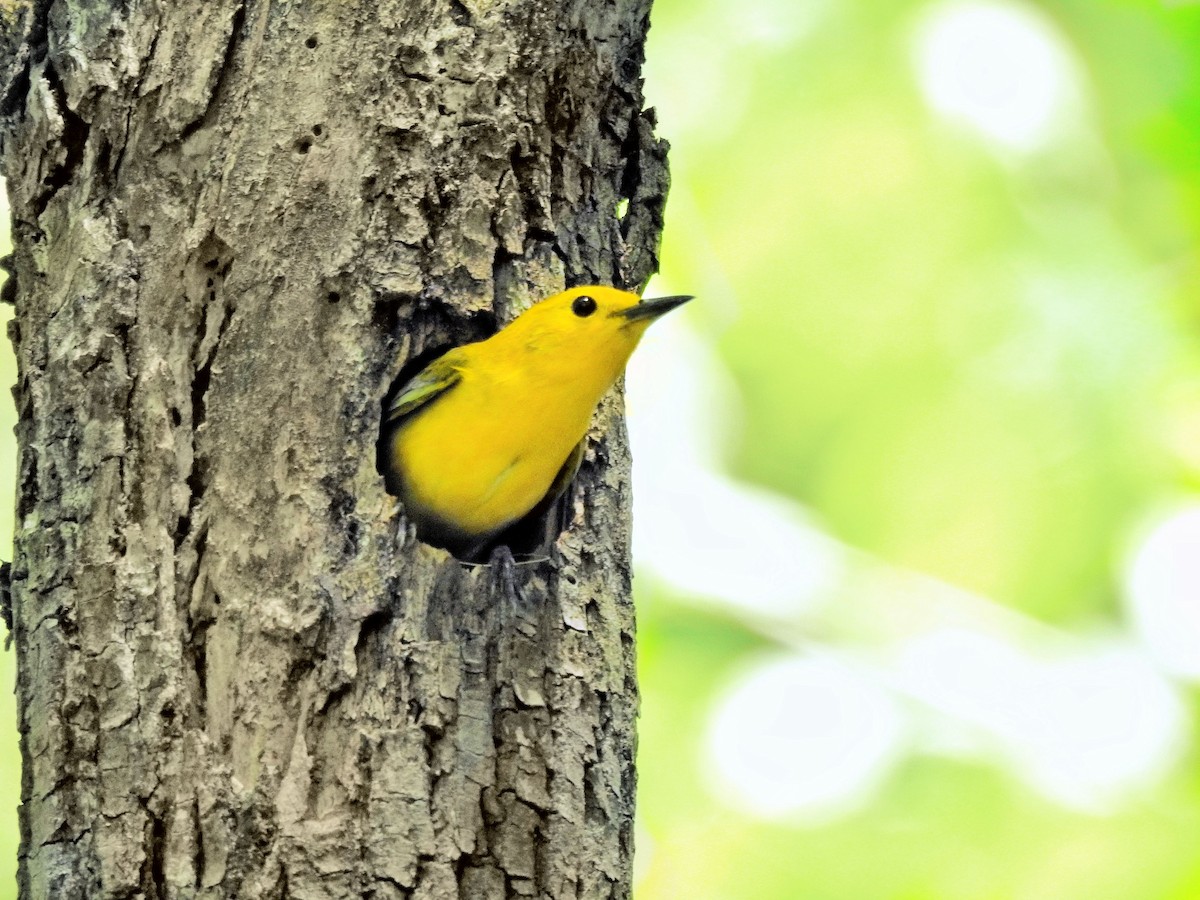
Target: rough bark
column 239, row 674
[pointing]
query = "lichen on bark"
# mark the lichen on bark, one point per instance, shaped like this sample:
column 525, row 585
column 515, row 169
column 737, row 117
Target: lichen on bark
column 239, row 673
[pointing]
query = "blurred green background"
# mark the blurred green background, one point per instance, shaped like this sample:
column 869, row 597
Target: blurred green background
column 918, row 477
column 921, row 617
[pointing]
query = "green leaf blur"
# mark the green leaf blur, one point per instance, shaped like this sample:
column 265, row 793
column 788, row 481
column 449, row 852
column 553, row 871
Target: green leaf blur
column 972, row 359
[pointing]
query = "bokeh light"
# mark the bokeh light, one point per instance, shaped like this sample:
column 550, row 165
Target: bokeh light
column 1163, row 592
column 997, row 67
column 807, row 736
column 1085, row 722
column 695, row 529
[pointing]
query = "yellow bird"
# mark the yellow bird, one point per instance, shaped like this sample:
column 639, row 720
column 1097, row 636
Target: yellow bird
column 489, row 432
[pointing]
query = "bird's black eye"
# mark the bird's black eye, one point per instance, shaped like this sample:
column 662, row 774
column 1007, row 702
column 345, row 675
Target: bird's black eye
column 583, row 306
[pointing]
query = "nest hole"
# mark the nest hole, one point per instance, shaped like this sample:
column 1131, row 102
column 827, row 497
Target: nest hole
column 528, row 537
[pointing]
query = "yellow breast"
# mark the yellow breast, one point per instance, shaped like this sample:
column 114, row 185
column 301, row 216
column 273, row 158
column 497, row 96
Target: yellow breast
column 486, row 452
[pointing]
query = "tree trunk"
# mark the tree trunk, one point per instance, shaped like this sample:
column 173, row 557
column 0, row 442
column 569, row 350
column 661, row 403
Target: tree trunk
column 239, row 674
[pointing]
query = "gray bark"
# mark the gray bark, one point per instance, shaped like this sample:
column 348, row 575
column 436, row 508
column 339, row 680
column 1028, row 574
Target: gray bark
column 239, row 674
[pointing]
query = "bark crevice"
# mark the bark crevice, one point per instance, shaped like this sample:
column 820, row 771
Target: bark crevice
column 72, row 138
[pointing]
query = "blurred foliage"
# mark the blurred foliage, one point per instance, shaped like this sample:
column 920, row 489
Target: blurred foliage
column 972, row 360
column 956, row 356
column 940, row 829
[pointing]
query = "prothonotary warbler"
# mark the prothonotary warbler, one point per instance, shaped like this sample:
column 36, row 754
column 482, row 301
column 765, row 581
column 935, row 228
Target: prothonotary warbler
column 488, row 432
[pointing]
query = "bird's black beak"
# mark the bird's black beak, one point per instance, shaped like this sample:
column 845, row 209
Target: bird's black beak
column 652, row 309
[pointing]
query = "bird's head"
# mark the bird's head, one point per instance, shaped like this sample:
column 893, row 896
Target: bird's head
column 591, row 328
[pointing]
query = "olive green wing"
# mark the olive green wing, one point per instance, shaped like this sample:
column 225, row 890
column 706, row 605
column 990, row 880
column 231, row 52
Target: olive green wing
column 416, row 394
column 424, row 387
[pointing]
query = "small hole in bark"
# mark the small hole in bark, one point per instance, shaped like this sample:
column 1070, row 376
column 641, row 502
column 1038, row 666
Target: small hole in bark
column 318, row 130
column 303, row 145
column 176, row 419
column 334, row 297
column 312, row 42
